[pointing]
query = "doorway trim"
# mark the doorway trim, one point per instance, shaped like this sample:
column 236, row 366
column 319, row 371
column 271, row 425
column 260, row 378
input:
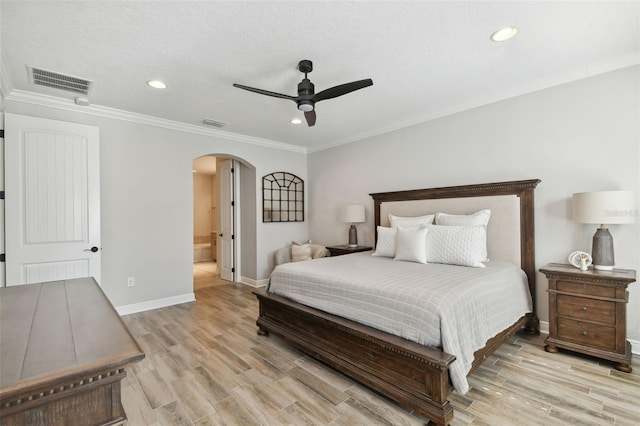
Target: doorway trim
column 236, row 226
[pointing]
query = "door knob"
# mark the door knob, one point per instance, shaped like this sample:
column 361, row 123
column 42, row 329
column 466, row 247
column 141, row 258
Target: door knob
column 92, row 249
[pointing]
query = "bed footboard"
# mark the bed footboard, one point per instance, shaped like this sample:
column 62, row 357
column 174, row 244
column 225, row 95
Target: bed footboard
column 414, row 376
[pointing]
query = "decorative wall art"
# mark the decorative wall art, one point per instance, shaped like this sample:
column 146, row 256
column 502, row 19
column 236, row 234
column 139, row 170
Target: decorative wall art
column 282, row 198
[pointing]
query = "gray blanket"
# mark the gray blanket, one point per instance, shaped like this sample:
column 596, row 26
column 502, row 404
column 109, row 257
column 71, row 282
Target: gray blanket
column 454, row 308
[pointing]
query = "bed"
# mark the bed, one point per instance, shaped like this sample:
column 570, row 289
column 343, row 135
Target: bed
column 415, row 376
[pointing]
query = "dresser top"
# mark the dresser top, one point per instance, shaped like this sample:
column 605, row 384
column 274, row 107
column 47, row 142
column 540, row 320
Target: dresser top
column 626, row 275
column 56, row 329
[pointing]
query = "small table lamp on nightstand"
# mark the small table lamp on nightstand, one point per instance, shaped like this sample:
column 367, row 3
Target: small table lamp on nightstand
column 604, row 208
column 352, row 213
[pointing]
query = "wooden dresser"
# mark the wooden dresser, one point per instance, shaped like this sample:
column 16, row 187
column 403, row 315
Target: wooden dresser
column 587, row 312
column 64, row 351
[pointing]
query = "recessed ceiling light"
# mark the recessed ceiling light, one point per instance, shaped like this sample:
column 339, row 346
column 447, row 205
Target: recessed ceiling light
column 296, row 121
column 504, row 34
column 157, row 84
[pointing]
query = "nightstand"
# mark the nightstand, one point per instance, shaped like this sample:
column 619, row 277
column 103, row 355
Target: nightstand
column 587, row 312
column 343, row 249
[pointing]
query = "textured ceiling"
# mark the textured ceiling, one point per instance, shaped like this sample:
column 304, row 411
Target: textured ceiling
column 426, row 59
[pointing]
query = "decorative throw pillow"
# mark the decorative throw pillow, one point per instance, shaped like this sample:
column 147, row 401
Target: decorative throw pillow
column 405, row 222
column 295, row 243
column 456, row 245
column 300, row 252
column 410, row 245
column 386, row 244
column 479, row 218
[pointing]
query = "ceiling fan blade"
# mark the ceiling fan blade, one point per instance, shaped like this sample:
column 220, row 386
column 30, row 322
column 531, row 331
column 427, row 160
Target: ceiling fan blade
column 264, row 92
column 311, row 117
column 343, row 89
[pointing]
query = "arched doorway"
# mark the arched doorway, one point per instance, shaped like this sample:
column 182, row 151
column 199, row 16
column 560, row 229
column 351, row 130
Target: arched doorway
column 224, row 208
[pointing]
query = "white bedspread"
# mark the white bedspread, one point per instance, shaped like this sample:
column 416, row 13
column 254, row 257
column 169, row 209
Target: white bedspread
column 454, row 308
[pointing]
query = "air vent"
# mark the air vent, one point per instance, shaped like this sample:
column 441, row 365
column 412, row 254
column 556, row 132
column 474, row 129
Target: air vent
column 56, row 80
column 213, row 123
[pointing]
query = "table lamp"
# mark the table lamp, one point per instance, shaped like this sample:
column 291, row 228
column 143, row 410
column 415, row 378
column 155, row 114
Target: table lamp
column 353, row 213
column 604, row 208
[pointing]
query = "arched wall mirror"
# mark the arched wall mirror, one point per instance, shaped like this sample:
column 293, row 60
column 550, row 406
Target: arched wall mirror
column 282, row 198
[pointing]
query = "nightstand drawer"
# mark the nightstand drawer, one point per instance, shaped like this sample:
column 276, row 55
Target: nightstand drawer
column 586, row 309
column 585, row 289
column 592, row 335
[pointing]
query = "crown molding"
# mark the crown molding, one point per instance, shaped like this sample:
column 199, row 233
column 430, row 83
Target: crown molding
column 581, row 72
column 117, row 114
column 5, row 84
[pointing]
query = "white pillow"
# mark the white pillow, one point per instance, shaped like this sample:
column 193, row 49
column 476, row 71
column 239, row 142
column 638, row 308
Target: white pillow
column 411, row 245
column 397, row 221
column 386, row 244
column 300, row 252
column 479, row 218
column 456, row 245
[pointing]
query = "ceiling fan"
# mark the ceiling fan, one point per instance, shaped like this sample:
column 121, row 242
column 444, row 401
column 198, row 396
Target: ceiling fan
column 307, row 97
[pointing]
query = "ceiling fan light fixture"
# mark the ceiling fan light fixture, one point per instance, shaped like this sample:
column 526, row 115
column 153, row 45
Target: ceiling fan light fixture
column 305, row 105
column 157, row 84
column 504, row 34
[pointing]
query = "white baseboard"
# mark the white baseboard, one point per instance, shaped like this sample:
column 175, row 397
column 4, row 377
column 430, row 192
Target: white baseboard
column 635, row 344
column 176, row 300
column 254, row 283
column 155, row 304
column 544, row 327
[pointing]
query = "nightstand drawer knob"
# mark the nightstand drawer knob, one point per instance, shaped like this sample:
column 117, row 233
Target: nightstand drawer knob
column 584, row 309
column 584, row 333
column 584, row 285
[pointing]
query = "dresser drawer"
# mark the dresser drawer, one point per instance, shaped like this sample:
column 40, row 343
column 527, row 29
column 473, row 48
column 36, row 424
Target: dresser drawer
column 585, row 289
column 586, row 309
column 592, row 335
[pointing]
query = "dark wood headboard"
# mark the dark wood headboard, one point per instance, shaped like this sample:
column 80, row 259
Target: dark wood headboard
column 523, row 189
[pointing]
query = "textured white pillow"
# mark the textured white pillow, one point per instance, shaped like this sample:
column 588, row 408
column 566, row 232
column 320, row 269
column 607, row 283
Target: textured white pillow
column 411, row 245
column 456, row 245
column 405, row 222
column 386, row 244
column 300, row 252
column 479, row 218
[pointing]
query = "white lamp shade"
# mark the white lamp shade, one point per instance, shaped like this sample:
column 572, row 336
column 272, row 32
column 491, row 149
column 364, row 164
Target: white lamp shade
column 352, row 213
column 605, row 207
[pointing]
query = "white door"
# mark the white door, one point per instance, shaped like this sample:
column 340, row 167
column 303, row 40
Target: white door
column 2, row 239
column 227, row 238
column 52, row 200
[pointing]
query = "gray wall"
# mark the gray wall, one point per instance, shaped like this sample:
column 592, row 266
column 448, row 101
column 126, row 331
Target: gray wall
column 147, row 202
column 581, row 136
column 249, row 218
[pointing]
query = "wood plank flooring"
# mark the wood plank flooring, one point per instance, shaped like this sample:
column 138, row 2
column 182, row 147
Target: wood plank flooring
column 206, row 365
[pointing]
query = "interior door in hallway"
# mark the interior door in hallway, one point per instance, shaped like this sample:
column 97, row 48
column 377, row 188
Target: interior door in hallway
column 227, row 228
column 52, row 200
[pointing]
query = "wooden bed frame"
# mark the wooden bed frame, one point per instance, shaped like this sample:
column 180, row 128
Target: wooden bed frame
column 412, row 375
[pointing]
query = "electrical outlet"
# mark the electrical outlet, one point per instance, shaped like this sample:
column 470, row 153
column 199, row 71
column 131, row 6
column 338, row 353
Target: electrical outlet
column 131, row 281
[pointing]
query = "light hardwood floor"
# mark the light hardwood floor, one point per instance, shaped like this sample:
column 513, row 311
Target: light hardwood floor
column 205, row 365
